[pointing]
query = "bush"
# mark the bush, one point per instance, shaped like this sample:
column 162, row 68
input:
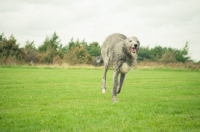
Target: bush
column 40, row 57
column 30, row 56
column 57, row 60
column 78, row 55
column 168, row 57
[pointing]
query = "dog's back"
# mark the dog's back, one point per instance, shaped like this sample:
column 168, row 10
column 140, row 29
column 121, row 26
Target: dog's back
column 108, row 45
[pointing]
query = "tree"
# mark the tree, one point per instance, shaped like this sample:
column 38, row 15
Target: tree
column 78, row 55
column 164, row 54
column 51, row 47
column 9, row 49
column 94, row 49
column 144, row 54
column 29, row 45
column 72, row 44
column 52, row 43
column 157, row 52
column 30, row 52
column 182, row 55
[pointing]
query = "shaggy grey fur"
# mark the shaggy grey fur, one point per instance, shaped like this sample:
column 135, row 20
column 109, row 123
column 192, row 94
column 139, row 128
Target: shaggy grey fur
column 120, row 53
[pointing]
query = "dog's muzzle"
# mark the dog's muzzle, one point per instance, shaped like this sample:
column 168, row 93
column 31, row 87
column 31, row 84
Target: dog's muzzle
column 134, row 49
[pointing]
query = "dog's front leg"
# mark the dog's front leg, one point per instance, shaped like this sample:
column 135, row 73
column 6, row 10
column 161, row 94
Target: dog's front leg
column 115, row 81
column 122, row 76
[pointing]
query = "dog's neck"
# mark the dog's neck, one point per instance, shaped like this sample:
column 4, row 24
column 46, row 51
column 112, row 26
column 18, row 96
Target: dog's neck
column 130, row 60
column 128, row 64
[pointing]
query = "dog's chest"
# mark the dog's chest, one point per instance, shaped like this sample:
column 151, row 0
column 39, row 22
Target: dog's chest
column 125, row 68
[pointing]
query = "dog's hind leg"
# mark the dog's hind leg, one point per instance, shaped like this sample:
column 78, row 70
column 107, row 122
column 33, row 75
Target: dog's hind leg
column 122, row 76
column 115, row 81
column 104, row 78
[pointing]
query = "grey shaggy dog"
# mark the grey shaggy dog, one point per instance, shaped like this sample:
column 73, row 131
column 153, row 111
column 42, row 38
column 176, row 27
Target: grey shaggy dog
column 120, row 53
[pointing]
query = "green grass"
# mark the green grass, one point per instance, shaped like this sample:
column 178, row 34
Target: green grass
column 58, row 99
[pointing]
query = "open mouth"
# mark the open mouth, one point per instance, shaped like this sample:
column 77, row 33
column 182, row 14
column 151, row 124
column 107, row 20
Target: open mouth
column 133, row 49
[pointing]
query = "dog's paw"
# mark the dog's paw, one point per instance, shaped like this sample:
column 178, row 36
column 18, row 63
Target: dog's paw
column 115, row 99
column 103, row 91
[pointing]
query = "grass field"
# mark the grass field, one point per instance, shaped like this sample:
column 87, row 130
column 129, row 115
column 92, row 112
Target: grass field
column 58, row 99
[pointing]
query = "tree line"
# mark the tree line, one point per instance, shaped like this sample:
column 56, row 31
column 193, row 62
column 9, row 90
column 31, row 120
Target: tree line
column 52, row 51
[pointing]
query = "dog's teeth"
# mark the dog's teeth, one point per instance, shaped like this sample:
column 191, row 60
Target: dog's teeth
column 133, row 50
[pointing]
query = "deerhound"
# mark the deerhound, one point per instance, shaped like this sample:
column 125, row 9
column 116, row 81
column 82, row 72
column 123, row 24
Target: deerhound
column 120, row 53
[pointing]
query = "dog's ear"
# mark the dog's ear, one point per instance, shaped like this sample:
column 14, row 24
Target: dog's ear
column 126, row 41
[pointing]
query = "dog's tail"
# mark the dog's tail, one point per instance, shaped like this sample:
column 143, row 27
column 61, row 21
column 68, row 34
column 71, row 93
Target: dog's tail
column 98, row 61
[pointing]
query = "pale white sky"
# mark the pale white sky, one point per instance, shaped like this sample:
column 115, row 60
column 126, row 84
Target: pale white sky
column 168, row 23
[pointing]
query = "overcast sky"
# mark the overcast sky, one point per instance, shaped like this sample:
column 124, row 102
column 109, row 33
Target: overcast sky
column 168, row 23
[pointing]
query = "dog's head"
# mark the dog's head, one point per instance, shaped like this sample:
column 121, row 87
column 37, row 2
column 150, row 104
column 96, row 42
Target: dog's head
column 132, row 45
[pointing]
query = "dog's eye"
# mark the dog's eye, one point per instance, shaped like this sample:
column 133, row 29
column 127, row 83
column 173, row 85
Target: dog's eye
column 130, row 40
